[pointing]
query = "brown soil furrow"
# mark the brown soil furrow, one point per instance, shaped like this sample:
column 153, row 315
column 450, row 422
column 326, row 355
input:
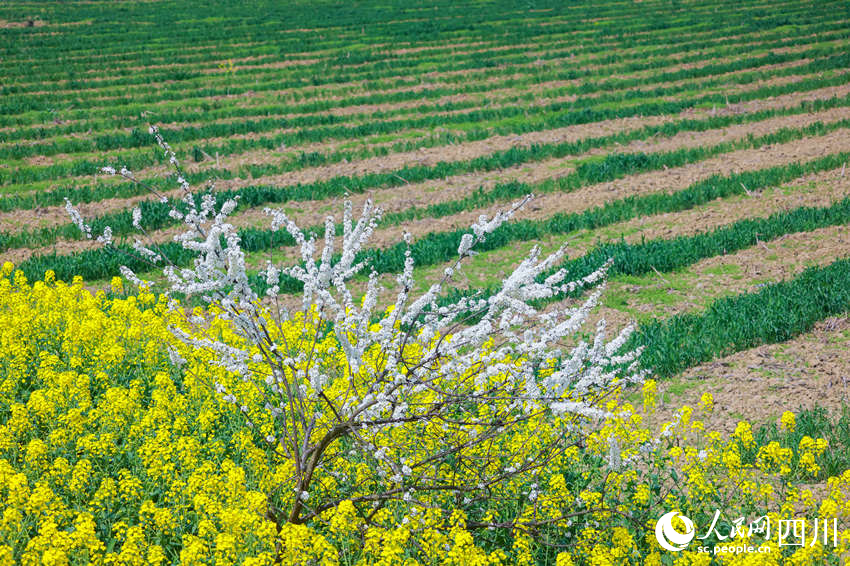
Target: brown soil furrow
column 818, row 190
column 422, row 194
column 397, row 160
column 495, row 97
column 805, row 372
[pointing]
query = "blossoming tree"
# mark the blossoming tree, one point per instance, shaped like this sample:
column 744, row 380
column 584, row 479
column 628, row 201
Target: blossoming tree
column 432, row 402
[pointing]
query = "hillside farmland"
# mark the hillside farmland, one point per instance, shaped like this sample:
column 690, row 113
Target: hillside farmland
column 702, row 146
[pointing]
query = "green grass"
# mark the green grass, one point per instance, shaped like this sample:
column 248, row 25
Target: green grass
column 724, row 269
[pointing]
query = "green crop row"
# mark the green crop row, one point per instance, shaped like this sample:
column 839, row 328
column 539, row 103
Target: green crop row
column 136, row 138
column 561, row 115
column 776, row 313
column 155, row 214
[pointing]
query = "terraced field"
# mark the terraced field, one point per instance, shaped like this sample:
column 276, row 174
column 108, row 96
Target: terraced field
column 701, row 141
column 701, row 145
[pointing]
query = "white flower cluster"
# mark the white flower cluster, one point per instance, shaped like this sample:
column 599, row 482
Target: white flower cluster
column 521, row 358
column 77, row 219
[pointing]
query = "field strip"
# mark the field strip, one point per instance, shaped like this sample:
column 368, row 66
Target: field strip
column 514, row 72
column 454, row 104
column 269, row 126
column 641, row 51
column 307, row 59
column 436, row 247
column 257, row 171
column 775, row 313
column 417, row 84
column 671, row 67
column 532, row 43
column 647, row 33
column 644, row 258
column 331, row 170
column 628, row 82
column 691, row 79
column 812, row 190
column 424, row 194
column 775, row 103
column 807, row 371
column 385, row 236
column 693, row 289
column 669, row 180
column 398, row 201
column 503, row 95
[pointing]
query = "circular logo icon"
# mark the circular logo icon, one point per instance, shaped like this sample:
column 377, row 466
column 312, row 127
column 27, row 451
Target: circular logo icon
column 671, row 539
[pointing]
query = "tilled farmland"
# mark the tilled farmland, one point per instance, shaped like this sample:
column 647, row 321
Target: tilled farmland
column 691, row 155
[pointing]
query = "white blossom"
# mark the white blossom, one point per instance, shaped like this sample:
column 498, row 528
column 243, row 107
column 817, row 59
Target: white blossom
column 501, row 341
column 77, row 219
